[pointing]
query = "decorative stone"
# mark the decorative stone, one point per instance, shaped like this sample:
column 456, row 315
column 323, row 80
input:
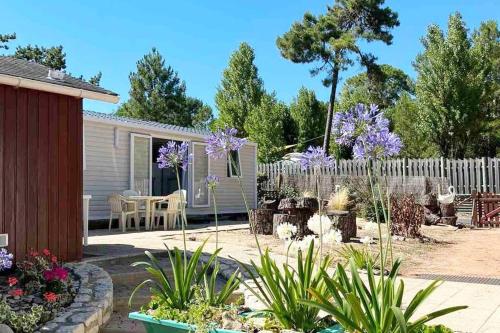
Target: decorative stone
column 5, row 329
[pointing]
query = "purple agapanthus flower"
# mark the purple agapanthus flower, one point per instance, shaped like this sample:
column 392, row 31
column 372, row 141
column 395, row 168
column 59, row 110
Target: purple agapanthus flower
column 212, row 181
column 6, row 259
column 173, row 154
column 220, row 143
column 315, row 157
column 376, row 144
column 367, row 130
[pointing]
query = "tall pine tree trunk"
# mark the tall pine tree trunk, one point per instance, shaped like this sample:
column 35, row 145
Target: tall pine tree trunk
column 331, row 107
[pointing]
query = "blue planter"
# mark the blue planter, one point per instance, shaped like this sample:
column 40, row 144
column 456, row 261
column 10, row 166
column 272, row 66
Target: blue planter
column 163, row 326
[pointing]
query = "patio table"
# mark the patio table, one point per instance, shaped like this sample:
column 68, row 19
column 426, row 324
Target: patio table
column 148, row 201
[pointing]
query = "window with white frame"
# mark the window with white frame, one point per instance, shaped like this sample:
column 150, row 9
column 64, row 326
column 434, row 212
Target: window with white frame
column 201, row 169
column 234, row 164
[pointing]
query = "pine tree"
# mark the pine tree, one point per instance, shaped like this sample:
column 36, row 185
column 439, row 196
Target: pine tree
column 240, row 90
column 309, row 115
column 4, row 39
column 52, row 57
column 158, row 94
column 382, row 85
column 330, row 40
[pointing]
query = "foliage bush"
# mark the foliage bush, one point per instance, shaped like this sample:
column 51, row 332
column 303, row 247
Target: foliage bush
column 288, row 191
column 362, row 257
column 22, row 321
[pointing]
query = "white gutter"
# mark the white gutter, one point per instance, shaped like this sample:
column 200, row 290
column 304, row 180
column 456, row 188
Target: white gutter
column 56, row 88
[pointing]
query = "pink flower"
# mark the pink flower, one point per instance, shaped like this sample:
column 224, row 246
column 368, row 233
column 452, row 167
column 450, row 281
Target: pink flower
column 16, row 292
column 56, row 273
column 53, row 259
column 12, row 280
column 46, row 252
column 50, row 297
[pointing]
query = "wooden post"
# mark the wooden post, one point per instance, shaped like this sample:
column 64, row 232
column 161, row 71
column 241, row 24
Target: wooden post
column 485, row 185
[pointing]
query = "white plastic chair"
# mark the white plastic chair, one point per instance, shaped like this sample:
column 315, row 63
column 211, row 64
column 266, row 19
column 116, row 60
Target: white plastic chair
column 173, row 211
column 125, row 209
column 129, row 193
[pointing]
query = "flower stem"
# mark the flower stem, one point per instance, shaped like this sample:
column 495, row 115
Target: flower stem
column 320, row 217
column 216, row 221
column 233, row 164
column 183, row 215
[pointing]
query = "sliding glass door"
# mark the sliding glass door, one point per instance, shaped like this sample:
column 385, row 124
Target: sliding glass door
column 140, row 163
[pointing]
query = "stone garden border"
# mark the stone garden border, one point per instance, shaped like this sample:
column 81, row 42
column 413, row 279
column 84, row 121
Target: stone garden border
column 92, row 306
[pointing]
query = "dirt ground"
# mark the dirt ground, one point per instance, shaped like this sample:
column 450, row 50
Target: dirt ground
column 445, row 250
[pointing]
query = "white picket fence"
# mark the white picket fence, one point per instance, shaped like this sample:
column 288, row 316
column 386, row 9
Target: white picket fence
column 466, row 175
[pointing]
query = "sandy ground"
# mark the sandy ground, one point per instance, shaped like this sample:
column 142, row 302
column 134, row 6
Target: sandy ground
column 445, row 250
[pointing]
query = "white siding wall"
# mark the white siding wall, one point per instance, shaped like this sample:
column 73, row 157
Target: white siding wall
column 108, row 170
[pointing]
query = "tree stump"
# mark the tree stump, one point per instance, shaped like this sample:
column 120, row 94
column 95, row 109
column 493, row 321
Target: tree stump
column 287, row 204
column 345, row 221
column 261, row 220
column 270, row 204
column 429, row 201
column 283, row 218
column 431, row 219
column 449, row 220
column 307, row 203
column 447, row 210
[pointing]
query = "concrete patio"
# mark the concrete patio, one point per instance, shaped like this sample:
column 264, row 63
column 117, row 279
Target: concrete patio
column 483, row 314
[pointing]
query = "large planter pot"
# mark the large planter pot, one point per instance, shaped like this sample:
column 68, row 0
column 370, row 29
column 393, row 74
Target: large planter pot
column 161, row 326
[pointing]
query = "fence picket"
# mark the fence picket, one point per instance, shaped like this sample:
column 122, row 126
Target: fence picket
column 465, row 175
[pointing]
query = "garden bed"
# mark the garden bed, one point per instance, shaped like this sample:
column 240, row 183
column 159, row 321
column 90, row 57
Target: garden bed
column 41, row 294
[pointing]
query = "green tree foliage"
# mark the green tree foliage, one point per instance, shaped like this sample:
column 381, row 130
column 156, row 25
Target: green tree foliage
column 406, row 120
column 382, row 85
column 4, row 39
column 309, row 116
column 331, row 40
column 200, row 113
column 53, row 57
column 240, row 90
column 158, row 94
column 456, row 85
column 96, row 79
column 264, row 126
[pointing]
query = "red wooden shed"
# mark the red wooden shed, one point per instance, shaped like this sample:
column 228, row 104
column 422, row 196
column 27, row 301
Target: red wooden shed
column 41, row 128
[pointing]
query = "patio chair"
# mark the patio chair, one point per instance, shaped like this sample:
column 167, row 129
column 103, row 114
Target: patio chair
column 129, row 193
column 172, row 212
column 125, row 209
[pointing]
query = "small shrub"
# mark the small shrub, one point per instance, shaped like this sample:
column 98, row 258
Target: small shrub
column 288, row 191
column 339, row 200
column 362, row 257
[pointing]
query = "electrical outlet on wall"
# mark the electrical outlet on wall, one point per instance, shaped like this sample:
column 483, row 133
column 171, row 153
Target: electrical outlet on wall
column 4, row 240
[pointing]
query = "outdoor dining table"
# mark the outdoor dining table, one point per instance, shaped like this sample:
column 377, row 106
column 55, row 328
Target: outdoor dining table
column 148, row 201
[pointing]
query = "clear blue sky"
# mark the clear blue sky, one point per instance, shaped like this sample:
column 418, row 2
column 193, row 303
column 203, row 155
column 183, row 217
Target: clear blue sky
column 197, row 37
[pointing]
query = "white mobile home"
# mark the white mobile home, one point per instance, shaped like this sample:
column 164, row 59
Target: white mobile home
column 120, row 154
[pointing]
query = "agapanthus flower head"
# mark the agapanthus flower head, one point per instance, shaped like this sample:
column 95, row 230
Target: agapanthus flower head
column 304, row 244
column 221, row 142
column 5, row 260
column 315, row 157
column 285, row 231
column 173, row 155
column 333, row 236
column 377, row 144
column 367, row 130
column 212, row 181
column 319, row 225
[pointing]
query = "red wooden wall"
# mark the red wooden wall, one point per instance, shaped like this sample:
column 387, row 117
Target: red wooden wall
column 41, row 171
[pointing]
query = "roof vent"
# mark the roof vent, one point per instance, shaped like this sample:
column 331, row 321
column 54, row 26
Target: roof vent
column 55, row 74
